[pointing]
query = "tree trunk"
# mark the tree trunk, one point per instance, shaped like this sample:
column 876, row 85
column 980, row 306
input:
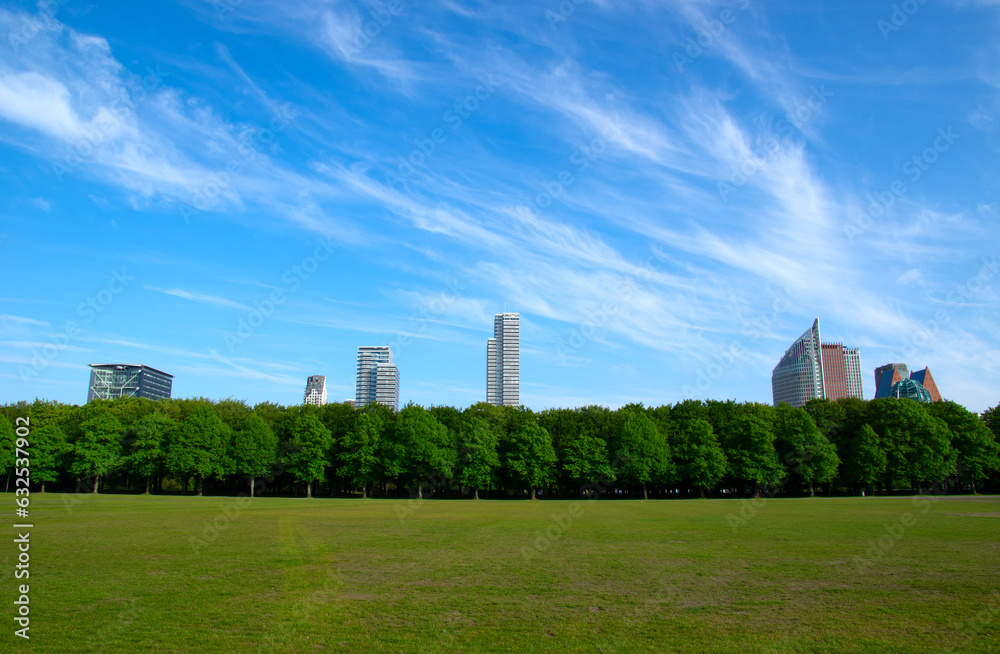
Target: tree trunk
column 477, row 494
column 148, row 480
column 7, row 487
column 973, row 487
column 309, row 490
column 251, row 485
column 43, row 488
column 645, row 495
column 97, row 482
column 420, row 491
column 812, row 491
column 364, row 491
column 702, row 493
column 198, row 484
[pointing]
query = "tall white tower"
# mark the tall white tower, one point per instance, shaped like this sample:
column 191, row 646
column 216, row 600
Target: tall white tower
column 503, row 361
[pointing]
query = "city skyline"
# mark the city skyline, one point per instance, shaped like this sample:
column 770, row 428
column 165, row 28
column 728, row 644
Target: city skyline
column 811, row 369
column 242, row 198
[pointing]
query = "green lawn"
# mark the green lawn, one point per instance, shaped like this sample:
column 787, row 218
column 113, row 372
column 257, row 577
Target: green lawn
column 122, row 573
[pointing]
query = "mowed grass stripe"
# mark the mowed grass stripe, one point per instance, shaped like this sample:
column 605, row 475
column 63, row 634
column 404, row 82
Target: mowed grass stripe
column 124, row 573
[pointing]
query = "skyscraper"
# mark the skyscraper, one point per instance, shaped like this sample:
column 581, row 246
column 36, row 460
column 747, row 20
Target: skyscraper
column 315, row 390
column 852, row 361
column 813, row 369
column 798, row 377
column 378, row 378
column 109, row 381
column 841, row 371
column 503, row 361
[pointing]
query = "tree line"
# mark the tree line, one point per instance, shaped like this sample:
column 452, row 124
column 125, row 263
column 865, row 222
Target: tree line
column 692, row 448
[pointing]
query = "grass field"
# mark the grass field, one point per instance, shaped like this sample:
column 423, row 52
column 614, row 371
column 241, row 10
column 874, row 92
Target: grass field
column 176, row 574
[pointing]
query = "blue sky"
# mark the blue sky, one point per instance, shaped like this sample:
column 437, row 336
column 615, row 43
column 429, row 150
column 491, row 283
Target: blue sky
column 242, row 192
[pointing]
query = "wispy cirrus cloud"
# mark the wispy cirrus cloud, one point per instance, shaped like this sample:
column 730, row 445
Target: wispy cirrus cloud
column 199, row 297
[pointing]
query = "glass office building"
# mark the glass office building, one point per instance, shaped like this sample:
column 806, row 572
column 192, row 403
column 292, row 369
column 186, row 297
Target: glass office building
column 812, row 369
column 110, row 381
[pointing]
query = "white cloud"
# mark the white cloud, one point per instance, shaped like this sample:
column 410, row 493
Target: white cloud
column 200, row 297
column 40, row 103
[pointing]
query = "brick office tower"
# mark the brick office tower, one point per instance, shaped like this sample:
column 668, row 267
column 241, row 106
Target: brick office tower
column 841, row 371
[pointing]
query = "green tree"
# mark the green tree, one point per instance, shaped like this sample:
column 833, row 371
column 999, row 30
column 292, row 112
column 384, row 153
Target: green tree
column 427, row 453
column 932, row 458
column 866, row 463
column 477, row 459
column 751, row 454
column 977, row 449
column 699, row 456
column 828, row 415
column 531, row 459
column 198, row 446
column 254, row 448
column 49, row 449
column 339, row 419
column 641, row 453
column 810, row 457
column 584, row 461
column 7, row 449
column 308, row 450
column 98, row 450
column 917, row 445
column 992, row 419
column 146, row 452
column 360, row 448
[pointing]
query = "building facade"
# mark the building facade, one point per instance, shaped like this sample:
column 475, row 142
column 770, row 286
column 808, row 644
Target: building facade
column 887, row 378
column 110, row 381
column 812, row 369
column 924, row 378
column 315, row 390
column 852, row 362
column 377, row 377
column 841, row 371
column 503, row 361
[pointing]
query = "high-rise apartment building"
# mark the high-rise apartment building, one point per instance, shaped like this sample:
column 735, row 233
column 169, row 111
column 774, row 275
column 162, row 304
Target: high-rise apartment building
column 315, row 390
column 813, row 369
column 110, row 381
column 503, row 361
column 378, row 378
